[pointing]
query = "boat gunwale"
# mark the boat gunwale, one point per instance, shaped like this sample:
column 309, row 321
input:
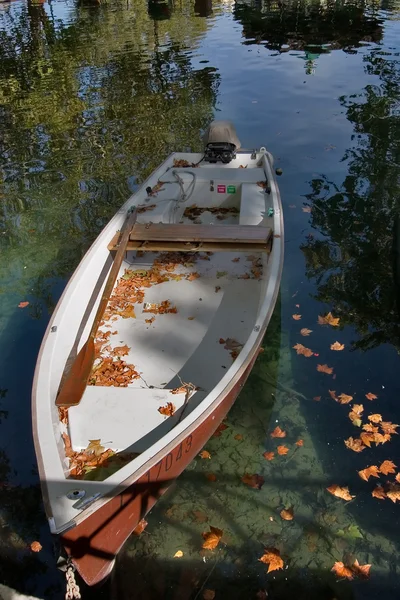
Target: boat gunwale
column 201, row 413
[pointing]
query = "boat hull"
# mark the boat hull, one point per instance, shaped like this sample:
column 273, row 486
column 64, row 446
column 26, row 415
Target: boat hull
column 94, row 543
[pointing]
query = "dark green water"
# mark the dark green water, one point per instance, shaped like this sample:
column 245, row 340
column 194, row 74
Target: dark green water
column 92, row 98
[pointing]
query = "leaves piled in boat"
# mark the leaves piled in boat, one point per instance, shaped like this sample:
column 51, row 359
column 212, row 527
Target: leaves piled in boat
column 232, row 345
column 113, row 372
column 142, row 208
column 84, row 464
column 221, row 427
column 262, row 184
column 194, row 211
column 181, row 163
column 156, row 188
column 167, row 410
column 159, row 309
column 63, row 415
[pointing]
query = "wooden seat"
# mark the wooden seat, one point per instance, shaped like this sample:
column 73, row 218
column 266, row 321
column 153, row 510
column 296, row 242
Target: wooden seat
column 187, row 237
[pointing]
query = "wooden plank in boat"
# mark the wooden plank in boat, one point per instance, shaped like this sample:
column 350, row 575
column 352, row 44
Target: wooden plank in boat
column 225, row 238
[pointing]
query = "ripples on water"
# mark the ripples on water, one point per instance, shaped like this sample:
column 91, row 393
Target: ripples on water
column 92, row 98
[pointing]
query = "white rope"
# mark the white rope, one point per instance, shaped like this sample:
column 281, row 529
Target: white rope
column 73, row 592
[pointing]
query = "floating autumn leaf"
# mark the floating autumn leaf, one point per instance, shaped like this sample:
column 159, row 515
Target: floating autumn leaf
column 296, row 317
column 211, row 538
column 372, row 471
column 375, row 418
column 121, row 350
column 300, row 349
column 282, row 450
column 254, row 481
column 200, row 516
column 325, row 369
column 344, row 398
column 204, row 454
column 167, row 410
column 211, row 477
column 140, row 527
column 361, row 571
column 337, row 346
column 238, row 437
column 393, row 492
column 36, row 546
column 269, row 455
column 221, row 427
column 387, row 467
column 23, row 304
column 371, row 396
column 354, row 444
column 367, row 438
column 340, row 492
column 379, row 493
column 287, row 514
column 328, row 319
column 305, row 331
column 397, row 478
column 355, row 414
column 388, row 427
column 178, row 554
column 209, row 594
column 278, row 433
column 94, row 447
column 299, row 443
column 342, row 571
column 370, row 428
column 272, row 558
column 381, row 439
column 332, row 394
column 317, row 398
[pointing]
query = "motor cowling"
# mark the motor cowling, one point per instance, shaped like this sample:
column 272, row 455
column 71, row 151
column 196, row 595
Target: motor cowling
column 220, row 142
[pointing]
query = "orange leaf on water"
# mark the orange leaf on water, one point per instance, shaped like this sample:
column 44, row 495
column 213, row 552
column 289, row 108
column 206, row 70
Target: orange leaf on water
column 254, row 481
column 208, row 594
column 278, row 433
column 361, row 570
column 371, row 396
column 305, row 331
column 167, row 410
column 325, row 369
column 287, row 514
column 238, row 437
column 379, row 493
column 344, row 398
column 329, row 319
column 387, row 467
column 300, row 349
column 141, row 526
column 36, row 546
column 375, row 418
column 220, row 428
column 23, row 304
column 332, row 394
column 370, row 428
column 337, row 346
column 381, row 439
column 372, row 471
column 354, row 444
column 397, row 478
column 358, row 409
column 341, row 571
column 211, row 538
column 367, row 438
column 296, row 317
column 211, row 477
column 272, row 558
column 282, row 450
column 204, row 454
column 340, row 492
column 299, row 443
column 393, row 492
column 388, row 427
column 269, row 455
column 317, row 398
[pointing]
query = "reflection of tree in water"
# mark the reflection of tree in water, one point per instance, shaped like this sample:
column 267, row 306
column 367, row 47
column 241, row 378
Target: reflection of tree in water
column 290, row 25
column 353, row 265
column 85, row 113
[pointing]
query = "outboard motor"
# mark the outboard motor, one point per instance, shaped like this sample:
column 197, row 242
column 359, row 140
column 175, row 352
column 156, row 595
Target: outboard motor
column 220, row 142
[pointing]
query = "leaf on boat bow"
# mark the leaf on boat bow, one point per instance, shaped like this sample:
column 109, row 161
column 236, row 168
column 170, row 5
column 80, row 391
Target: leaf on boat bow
column 120, row 350
column 355, row 444
column 325, row 369
column 211, row 538
column 305, row 331
column 36, row 546
column 296, row 317
column 372, row 471
column 282, row 450
column 371, row 396
column 387, row 467
column 150, row 321
column 94, row 447
column 340, row 492
column 63, row 415
column 159, row 309
column 272, row 558
column 167, row 410
column 328, row 319
column 254, row 481
column 204, row 454
column 140, row 527
column 157, row 188
column 337, row 346
column 300, row 349
column 67, row 445
column 142, row 208
column 127, row 313
column 278, row 433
